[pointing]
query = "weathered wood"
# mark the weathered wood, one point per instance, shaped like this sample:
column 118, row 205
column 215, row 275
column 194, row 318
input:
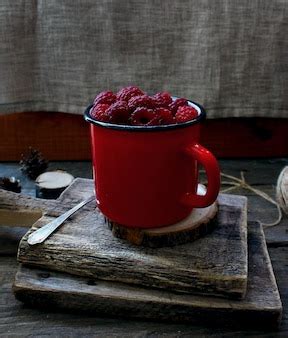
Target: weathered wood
column 215, row 264
column 269, row 168
column 19, row 320
column 261, row 173
column 23, row 320
column 261, row 307
column 22, row 210
column 198, row 224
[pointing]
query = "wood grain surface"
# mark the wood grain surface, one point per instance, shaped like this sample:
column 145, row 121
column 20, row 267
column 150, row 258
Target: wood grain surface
column 260, row 173
column 17, row 319
column 215, row 264
column 261, row 307
column 62, row 136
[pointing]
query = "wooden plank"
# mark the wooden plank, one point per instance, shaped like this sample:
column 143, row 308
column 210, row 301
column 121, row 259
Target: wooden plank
column 20, row 210
column 269, row 168
column 10, row 236
column 63, row 136
column 262, row 306
column 26, row 320
column 258, row 209
column 261, row 174
column 246, row 137
column 59, row 136
column 215, row 264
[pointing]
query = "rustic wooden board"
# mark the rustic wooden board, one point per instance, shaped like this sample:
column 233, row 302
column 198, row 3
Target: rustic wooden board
column 262, row 173
column 261, row 306
column 19, row 319
column 62, row 136
column 199, row 223
column 215, row 264
column 204, row 267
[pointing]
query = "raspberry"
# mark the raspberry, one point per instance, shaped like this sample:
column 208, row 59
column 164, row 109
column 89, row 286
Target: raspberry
column 144, row 117
column 185, row 113
column 99, row 112
column 165, row 116
column 118, row 112
column 173, row 106
column 127, row 92
column 140, row 101
column 154, row 122
column 131, row 106
column 107, row 97
column 162, row 99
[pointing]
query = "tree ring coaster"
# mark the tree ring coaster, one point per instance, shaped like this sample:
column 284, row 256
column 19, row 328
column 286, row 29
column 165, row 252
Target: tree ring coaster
column 200, row 222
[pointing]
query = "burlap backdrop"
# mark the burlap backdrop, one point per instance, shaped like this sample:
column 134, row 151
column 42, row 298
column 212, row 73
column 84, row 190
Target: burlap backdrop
column 230, row 56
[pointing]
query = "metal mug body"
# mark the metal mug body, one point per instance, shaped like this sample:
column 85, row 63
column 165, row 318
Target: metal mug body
column 147, row 177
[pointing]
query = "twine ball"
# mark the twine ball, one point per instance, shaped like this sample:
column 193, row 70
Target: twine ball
column 282, row 190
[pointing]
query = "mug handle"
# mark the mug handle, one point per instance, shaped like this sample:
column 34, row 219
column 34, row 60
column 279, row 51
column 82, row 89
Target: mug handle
column 210, row 164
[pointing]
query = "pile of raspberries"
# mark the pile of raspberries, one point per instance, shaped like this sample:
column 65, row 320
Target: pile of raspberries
column 131, row 106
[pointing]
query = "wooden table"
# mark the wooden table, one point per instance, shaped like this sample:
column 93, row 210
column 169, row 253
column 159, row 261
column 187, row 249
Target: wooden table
column 17, row 319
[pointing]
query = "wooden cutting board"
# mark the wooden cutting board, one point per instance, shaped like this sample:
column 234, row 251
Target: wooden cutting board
column 261, row 307
column 215, row 264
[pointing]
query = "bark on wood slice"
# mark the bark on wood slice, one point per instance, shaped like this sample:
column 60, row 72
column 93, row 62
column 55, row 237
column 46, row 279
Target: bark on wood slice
column 215, row 264
column 261, row 307
column 282, row 190
column 199, row 223
column 51, row 184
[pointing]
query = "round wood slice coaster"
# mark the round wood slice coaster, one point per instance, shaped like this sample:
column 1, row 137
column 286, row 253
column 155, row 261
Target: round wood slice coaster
column 51, row 184
column 200, row 222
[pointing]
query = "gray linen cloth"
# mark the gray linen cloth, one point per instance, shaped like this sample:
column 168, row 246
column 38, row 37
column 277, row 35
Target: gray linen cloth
column 230, row 56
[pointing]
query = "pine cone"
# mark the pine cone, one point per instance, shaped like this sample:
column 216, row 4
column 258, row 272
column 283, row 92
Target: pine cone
column 33, row 164
column 10, row 184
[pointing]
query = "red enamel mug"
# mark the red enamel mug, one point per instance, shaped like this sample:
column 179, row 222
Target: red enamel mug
column 147, row 177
